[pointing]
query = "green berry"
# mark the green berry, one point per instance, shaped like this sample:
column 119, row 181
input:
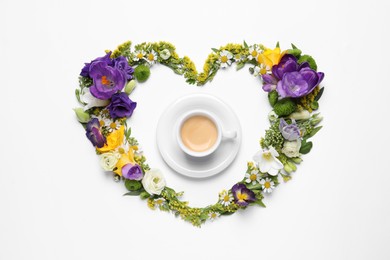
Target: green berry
column 142, row 73
column 285, row 107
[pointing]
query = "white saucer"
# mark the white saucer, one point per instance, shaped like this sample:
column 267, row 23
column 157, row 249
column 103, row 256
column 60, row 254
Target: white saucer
column 183, row 163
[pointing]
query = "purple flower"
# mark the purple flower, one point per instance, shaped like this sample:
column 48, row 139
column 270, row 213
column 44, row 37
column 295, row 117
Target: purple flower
column 291, row 131
column 94, row 134
column 106, row 58
column 242, row 195
column 270, row 82
column 107, row 80
column 121, row 106
column 287, row 64
column 121, row 64
column 132, row 172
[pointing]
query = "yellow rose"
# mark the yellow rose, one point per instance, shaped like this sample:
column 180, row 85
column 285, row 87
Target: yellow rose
column 126, row 158
column 114, row 140
column 270, row 57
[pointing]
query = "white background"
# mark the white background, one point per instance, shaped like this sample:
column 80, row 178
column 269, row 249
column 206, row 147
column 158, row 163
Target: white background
column 56, row 202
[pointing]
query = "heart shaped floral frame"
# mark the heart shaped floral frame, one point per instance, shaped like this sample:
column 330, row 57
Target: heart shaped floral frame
column 289, row 77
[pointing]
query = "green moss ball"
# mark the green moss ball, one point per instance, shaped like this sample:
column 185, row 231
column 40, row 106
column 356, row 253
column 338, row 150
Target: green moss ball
column 142, row 73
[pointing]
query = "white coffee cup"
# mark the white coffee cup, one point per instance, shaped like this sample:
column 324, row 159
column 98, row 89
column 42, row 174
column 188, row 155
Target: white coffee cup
column 196, row 126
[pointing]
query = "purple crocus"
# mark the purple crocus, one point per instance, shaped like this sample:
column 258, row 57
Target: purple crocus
column 121, row 106
column 242, row 195
column 291, row 131
column 106, row 58
column 295, row 80
column 94, row 134
column 121, row 64
column 107, row 80
column 132, row 172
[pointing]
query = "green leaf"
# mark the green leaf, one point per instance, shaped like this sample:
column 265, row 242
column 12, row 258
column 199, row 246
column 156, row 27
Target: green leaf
column 313, row 132
column 277, row 45
column 294, row 47
column 133, row 193
column 306, row 147
column 260, row 202
column 215, row 50
column 133, row 185
column 245, row 45
column 240, row 65
column 319, row 94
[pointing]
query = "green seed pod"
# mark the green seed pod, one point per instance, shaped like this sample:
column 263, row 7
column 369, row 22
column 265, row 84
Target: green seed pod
column 285, row 107
column 142, row 73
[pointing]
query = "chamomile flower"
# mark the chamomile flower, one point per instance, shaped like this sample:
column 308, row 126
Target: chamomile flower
column 213, row 215
column 254, row 51
column 113, row 126
column 159, row 202
column 263, row 69
column 238, row 57
column 139, row 55
column 268, row 185
column 252, row 177
column 225, row 198
column 151, row 57
column 225, row 57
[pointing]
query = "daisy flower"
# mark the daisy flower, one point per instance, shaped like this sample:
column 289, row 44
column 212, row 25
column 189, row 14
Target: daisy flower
column 213, row 215
column 253, row 52
column 225, row 198
column 268, row 185
column 139, row 55
column 151, row 57
column 225, row 58
column 252, row 177
column 267, row 161
column 238, row 57
column 159, row 202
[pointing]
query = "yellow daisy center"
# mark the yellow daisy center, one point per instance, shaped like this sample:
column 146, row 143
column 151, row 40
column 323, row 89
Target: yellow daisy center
column 267, row 185
column 242, row 196
column 140, row 55
column 113, row 125
column 159, row 202
column 151, row 57
column 226, row 198
column 101, row 122
column 224, row 59
column 267, row 156
column 254, row 53
column 253, row 177
column 213, row 215
column 263, row 71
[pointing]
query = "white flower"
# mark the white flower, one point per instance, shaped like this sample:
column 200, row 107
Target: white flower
column 109, row 160
column 253, row 52
column 304, row 114
column 238, row 57
column 153, row 182
column 268, row 162
column 268, row 185
column 252, row 177
column 213, row 215
column 272, row 116
column 256, row 71
column 139, row 55
column 91, row 101
column 225, row 198
column 159, row 202
column 165, row 54
column 151, row 57
column 291, row 148
column 225, row 58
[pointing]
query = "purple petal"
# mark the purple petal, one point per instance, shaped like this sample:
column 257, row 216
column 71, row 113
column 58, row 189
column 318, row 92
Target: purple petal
column 282, row 124
column 270, row 79
column 132, row 172
column 269, row 87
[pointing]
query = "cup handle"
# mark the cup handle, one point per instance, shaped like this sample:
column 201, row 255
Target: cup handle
column 229, row 134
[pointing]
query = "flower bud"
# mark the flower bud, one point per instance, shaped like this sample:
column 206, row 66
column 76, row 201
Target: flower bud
column 165, row 54
column 82, row 116
column 130, row 86
column 296, row 160
column 304, row 114
column 292, row 166
column 287, row 168
column 272, row 116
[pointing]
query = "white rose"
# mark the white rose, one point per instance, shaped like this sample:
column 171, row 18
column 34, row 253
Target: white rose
column 304, row 114
column 109, row 160
column 291, row 148
column 165, row 54
column 153, row 182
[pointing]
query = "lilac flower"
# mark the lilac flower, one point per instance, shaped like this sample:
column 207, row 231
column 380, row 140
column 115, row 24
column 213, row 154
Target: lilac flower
column 106, row 58
column 291, row 131
column 242, row 195
column 121, row 105
column 107, row 80
column 132, row 172
column 94, row 134
column 122, row 64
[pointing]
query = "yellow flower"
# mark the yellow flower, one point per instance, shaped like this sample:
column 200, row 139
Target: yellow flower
column 114, row 140
column 270, row 57
column 126, row 158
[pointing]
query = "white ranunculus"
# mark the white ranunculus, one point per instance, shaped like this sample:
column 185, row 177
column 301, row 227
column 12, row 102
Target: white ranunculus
column 291, row 148
column 153, row 182
column 109, row 160
column 91, row 101
column 304, row 114
column 165, row 54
